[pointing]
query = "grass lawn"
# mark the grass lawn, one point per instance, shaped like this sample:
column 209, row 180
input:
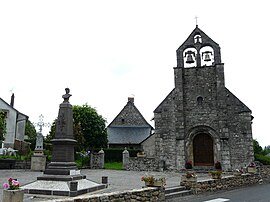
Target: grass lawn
column 113, row 165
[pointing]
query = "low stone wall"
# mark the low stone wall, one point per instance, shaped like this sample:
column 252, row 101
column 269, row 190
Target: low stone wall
column 142, row 164
column 142, row 195
column 14, row 164
column 229, row 182
column 264, row 171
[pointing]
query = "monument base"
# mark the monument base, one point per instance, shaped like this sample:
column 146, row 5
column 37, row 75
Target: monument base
column 60, row 185
column 38, row 163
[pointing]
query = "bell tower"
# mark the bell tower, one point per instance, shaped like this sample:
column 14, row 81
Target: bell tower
column 199, row 99
column 198, row 50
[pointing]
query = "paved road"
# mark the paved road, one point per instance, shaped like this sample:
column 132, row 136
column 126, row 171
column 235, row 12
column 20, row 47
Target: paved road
column 255, row 193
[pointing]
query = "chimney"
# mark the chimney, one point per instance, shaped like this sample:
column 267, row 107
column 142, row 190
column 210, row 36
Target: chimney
column 12, row 100
column 131, row 100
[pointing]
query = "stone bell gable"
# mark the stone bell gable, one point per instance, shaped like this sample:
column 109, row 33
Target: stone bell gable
column 201, row 120
column 129, row 128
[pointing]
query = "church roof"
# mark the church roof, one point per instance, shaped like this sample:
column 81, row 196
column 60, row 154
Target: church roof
column 233, row 102
column 167, row 98
column 129, row 116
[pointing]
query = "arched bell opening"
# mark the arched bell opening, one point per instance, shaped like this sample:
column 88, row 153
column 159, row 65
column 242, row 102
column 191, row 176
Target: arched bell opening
column 203, row 150
column 207, row 56
column 189, row 56
column 197, row 38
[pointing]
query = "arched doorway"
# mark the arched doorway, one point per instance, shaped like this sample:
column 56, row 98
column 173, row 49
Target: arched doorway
column 203, row 153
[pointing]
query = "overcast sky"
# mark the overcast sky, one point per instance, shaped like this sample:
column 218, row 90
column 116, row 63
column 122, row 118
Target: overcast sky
column 106, row 51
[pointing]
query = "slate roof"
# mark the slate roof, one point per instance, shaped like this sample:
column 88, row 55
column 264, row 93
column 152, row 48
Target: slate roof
column 127, row 134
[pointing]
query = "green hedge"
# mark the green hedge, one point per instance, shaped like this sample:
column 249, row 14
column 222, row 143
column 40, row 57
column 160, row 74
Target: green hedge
column 115, row 155
column 265, row 160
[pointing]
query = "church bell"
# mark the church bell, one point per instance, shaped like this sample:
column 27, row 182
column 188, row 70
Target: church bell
column 190, row 59
column 207, row 56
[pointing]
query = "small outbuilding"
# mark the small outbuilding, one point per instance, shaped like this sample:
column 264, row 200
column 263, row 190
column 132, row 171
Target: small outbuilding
column 129, row 128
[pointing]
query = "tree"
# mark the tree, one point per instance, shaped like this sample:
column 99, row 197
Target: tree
column 89, row 128
column 256, row 147
column 267, row 149
column 31, row 133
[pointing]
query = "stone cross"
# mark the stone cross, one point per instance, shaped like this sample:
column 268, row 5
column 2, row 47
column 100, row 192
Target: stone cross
column 39, row 138
column 41, row 123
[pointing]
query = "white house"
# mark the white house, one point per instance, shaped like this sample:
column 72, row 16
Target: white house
column 15, row 125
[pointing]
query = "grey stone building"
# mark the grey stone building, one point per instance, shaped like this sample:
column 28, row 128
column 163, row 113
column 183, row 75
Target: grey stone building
column 201, row 120
column 129, row 128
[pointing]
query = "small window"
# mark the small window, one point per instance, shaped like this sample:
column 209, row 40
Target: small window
column 123, row 120
column 199, row 100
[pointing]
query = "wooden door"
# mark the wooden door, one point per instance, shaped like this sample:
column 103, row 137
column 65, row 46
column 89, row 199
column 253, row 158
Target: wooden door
column 203, row 150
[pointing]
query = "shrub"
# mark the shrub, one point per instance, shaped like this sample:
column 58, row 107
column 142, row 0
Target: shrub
column 263, row 159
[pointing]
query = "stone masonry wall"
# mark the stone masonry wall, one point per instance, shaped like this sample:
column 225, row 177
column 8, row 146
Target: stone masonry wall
column 230, row 182
column 142, row 195
column 227, row 183
column 143, row 164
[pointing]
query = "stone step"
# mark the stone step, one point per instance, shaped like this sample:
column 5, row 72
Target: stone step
column 169, row 190
column 203, row 169
column 177, row 194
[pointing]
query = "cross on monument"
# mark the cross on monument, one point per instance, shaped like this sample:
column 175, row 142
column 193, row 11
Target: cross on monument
column 41, row 123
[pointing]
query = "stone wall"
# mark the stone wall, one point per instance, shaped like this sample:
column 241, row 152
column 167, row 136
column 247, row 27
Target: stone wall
column 145, row 194
column 143, row 164
column 14, row 164
column 230, row 182
column 227, row 183
column 97, row 160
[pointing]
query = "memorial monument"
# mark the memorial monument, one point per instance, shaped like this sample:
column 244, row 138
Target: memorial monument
column 62, row 177
column 38, row 160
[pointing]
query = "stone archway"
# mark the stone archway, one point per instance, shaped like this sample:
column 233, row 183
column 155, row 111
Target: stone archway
column 203, row 150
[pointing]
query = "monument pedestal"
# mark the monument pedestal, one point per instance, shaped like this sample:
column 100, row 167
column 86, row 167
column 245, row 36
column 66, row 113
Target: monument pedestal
column 38, row 162
column 62, row 185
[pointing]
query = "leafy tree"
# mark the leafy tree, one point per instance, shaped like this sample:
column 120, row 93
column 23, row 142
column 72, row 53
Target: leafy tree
column 89, row 128
column 31, row 133
column 93, row 126
column 256, row 147
column 267, row 149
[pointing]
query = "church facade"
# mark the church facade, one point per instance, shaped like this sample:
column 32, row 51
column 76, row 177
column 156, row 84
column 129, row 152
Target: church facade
column 201, row 120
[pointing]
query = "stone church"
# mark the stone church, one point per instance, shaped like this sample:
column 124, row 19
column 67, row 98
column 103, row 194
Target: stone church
column 200, row 120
